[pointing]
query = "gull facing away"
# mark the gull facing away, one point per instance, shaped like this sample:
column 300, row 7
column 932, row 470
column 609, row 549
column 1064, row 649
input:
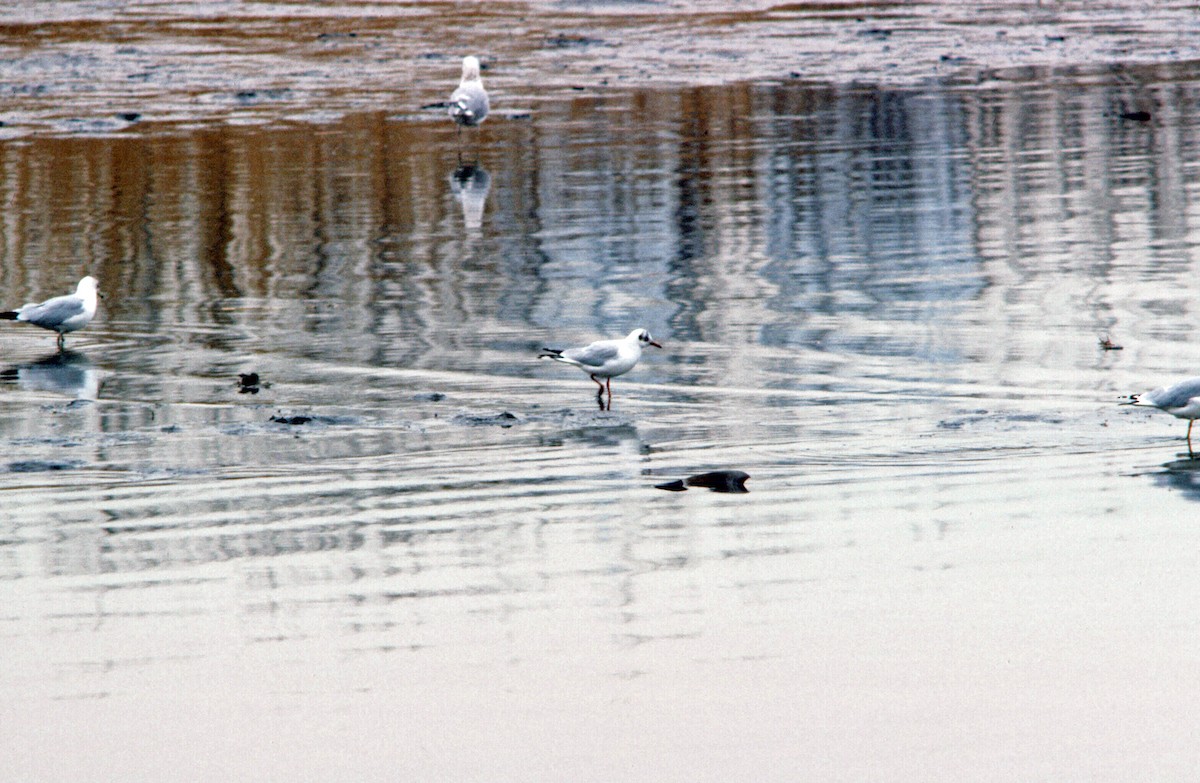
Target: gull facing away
column 469, row 103
column 1181, row 401
column 62, row 313
column 604, row 359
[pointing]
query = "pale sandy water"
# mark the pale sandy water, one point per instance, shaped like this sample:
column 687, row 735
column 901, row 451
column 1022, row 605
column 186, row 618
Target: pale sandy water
column 958, row 559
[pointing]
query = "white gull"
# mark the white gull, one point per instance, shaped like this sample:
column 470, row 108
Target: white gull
column 605, row 358
column 469, row 103
column 61, row 314
column 1181, row 401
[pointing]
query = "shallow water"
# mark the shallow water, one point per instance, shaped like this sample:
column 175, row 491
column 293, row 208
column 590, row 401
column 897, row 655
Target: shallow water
column 419, row 551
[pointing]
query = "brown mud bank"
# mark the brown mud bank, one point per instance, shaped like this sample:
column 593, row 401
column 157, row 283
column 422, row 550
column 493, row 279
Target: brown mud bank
column 101, row 67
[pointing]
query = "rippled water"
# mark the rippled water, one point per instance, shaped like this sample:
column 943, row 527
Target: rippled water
column 418, row 551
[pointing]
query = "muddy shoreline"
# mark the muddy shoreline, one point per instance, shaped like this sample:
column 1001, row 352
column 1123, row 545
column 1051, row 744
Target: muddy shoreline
column 80, row 68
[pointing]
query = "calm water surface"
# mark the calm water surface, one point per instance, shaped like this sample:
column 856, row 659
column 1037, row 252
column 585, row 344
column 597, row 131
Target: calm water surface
column 958, row 558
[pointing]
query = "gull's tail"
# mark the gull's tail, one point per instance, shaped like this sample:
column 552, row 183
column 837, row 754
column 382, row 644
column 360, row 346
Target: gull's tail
column 550, row 353
column 1134, row 399
column 9, row 315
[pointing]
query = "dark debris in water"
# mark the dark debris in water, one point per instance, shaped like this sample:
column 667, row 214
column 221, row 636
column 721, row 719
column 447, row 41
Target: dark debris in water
column 563, row 41
column 43, row 465
column 733, row 481
column 251, row 383
column 300, row 419
column 503, row 419
column 292, row 421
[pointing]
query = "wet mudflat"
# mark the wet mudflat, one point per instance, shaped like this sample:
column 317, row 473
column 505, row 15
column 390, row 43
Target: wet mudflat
column 409, row 548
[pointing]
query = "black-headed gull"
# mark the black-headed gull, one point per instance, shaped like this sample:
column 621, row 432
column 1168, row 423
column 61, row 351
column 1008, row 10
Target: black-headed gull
column 469, row 103
column 604, row 359
column 62, row 313
column 1181, row 401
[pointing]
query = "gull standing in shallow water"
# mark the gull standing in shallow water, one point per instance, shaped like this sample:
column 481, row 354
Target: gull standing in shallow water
column 604, row 359
column 469, row 103
column 1181, row 401
column 62, row 313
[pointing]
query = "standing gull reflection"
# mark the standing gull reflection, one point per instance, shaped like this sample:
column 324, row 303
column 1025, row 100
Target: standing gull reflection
column 470, row 184
column 66, row 372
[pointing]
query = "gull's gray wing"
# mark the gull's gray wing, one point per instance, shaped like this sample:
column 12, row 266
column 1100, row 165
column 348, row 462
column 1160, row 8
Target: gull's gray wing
column 1175, row 396
column 52, row 312
column 594, row 355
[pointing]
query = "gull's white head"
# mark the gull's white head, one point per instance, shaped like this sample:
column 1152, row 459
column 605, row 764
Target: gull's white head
column 642, row 337
column 88, row 285
column 470, row 69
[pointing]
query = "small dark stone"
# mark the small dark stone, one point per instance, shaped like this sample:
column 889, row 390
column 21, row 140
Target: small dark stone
column 130, row 116
column 1136, row 116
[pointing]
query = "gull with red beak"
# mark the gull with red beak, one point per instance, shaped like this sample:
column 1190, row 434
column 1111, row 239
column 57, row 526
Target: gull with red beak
column 604, row 359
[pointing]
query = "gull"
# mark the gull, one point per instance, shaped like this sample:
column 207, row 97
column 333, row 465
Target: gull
column 62, row 313
column 1181, row 401
column 604, row 359
column 469, row 103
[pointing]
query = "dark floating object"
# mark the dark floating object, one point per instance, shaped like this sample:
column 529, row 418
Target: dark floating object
column 717, row 480
column 291, row 420
column 130, row 116
column 1108, row 345
column 1136, row 116
column 563, row 41
column 503, row 419
column 250, row 383
column 42, row 466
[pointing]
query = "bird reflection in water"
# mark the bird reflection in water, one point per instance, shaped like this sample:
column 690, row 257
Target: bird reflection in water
column 470, row 184
column 1181, row 475
column 67, row 372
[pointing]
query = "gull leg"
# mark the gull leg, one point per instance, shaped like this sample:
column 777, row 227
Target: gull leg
column 1189, row 437
column 599, row 392
column 61, row 341
column 609, row 386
